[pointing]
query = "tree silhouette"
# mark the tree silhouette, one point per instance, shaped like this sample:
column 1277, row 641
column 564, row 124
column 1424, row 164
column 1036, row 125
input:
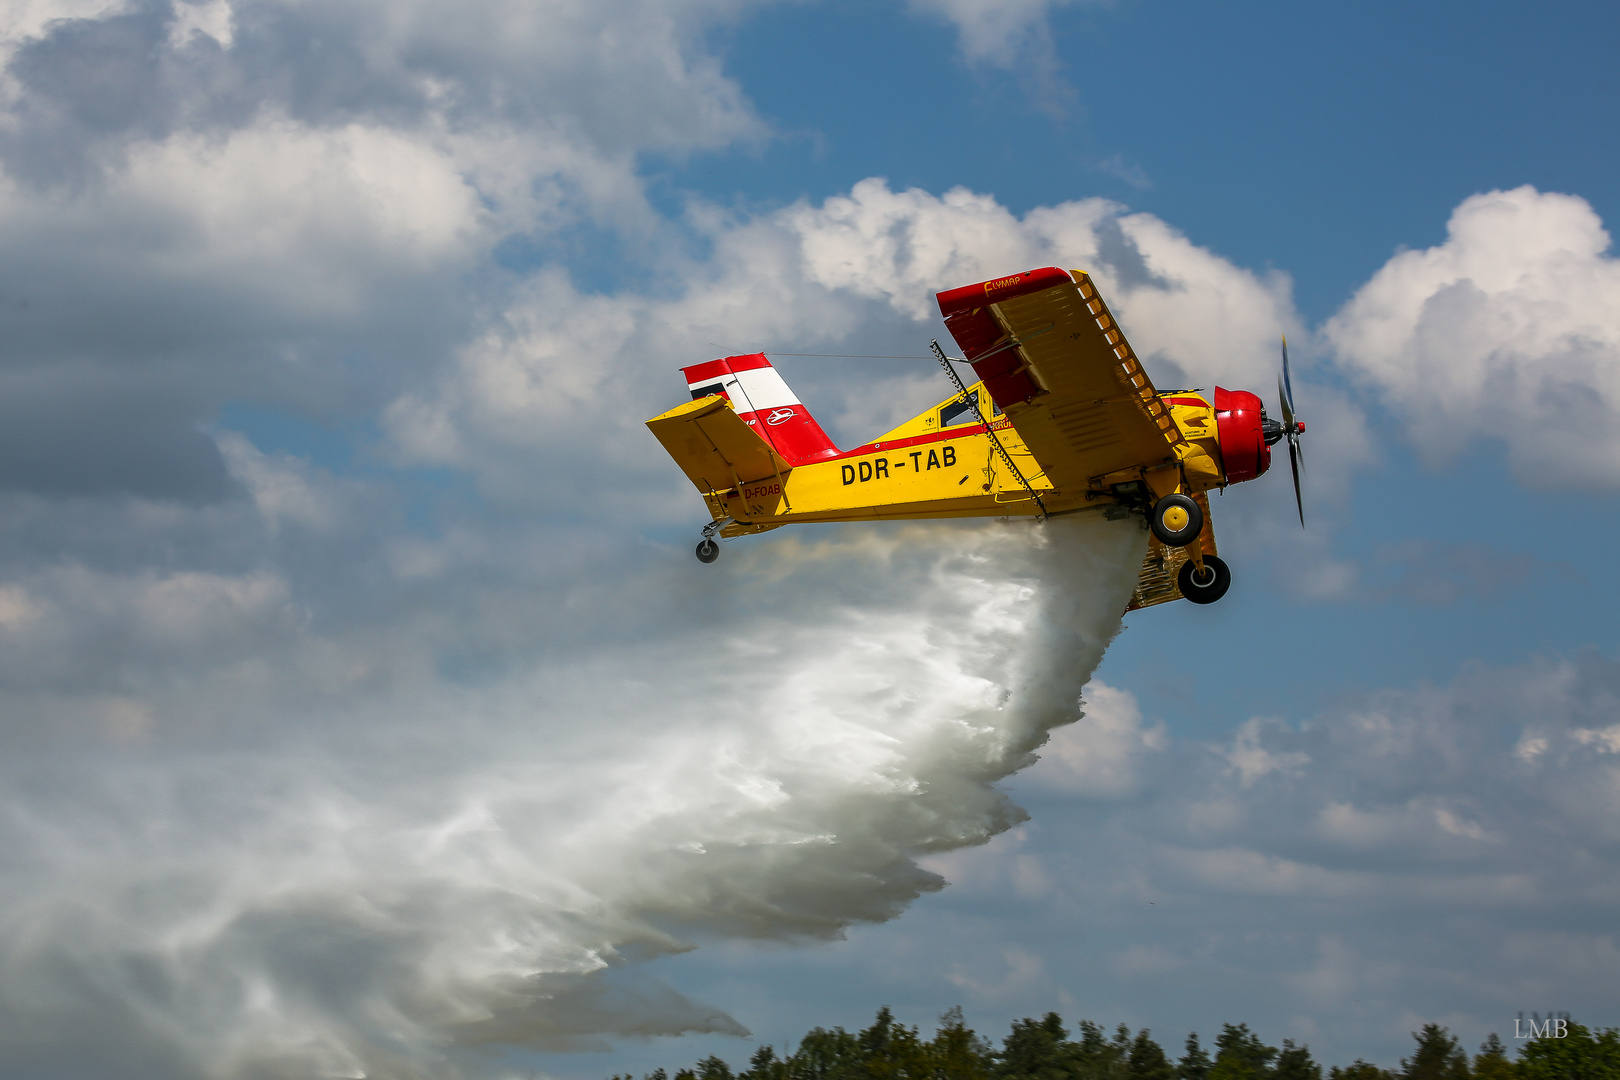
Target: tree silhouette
column 1240, row 1055
column 1294, row 1063
column 1042, row 1050
column 1492, row 1062
column 764, row 1065
column 824, row 1055
column 1359, row 1070
column 1195, row 1063
column 712, row 1068
column 956, row 1052
column 1438, row 1057
column 1579, row 1055
column 1147, row 1060
column 1036, row 1050
column 1097, row 1057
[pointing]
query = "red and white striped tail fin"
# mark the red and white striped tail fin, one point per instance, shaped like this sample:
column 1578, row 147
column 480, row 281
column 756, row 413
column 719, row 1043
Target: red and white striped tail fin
column 765, row 403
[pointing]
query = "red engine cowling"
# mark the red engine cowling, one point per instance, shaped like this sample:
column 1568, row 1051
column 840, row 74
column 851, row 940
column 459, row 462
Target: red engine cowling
column 1238, row 424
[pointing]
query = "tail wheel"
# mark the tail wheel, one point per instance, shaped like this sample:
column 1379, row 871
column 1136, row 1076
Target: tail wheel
column 707, row 550
column 1206, row 587
column 1176, row 520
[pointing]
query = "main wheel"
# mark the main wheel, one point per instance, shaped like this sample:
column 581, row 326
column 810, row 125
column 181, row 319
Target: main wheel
column 707, row 550
column 1176, row 520
column 1208, row 587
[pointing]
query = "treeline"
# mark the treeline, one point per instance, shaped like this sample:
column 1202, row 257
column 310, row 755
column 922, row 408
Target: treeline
column 1043, row 1050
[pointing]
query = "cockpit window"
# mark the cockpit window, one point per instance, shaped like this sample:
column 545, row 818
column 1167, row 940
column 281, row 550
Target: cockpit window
column 961, row 411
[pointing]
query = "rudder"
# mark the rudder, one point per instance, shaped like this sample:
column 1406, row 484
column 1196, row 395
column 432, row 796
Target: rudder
column 765, row 403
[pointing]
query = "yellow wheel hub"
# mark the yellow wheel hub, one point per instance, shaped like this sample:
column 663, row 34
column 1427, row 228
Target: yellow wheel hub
column 1175, row 518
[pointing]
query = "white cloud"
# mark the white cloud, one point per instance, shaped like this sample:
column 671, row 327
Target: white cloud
column 1507, row 331
column 1100, row 755
column 1181, row 304
column 315, row 216
column 998, row 32
column 1603, row 738
column 1251, row 760
column 300, row 204
column 23, row 19
column 285, row 489
column 212, row 19
column 1121, row 168
column 16, row 608
column 1013, row 35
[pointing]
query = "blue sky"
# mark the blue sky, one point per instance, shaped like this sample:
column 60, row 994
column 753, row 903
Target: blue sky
column 1317, row 140
column 365, row 711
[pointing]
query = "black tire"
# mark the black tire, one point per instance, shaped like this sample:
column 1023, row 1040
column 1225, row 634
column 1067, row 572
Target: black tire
column 1176, row 506
column 707, row 550
column 1208, row 591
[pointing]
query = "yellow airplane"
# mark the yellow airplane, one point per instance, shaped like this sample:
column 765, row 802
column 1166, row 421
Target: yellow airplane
column 1063, row 419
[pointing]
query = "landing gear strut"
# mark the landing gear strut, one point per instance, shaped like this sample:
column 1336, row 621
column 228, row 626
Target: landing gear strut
column 707, row 549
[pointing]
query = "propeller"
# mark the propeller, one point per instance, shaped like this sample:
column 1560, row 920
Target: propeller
column 1292, row 428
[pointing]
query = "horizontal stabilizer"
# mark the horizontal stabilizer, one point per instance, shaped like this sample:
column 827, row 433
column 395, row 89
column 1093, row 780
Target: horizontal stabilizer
column 715, row 447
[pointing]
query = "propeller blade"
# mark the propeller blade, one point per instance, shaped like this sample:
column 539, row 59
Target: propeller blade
column 1288, row 382
column 1294, row 463
column 1291, row 429
column 1287, row 406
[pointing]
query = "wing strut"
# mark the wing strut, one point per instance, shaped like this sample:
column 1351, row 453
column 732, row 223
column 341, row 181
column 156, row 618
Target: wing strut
column 973, row 403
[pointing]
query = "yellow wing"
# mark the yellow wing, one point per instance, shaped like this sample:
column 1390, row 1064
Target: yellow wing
column 1060, row 368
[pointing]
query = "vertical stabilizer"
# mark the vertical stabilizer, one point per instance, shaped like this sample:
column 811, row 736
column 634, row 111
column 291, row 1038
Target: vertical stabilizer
column 765, row 403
